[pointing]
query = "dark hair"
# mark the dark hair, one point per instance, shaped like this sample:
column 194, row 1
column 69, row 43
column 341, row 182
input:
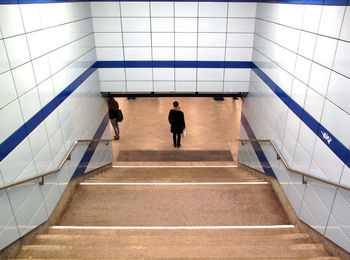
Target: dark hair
column 112, row 104
column 176, row 103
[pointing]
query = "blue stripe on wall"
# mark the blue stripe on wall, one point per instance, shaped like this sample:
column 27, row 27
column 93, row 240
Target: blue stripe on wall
column 257, row 148
column 175, row 64
column 340, row 150
column 309, row 2
column 7, row 146
column 84, row 162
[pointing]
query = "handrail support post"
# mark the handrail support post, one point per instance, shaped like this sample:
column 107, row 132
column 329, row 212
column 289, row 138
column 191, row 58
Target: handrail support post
column 69, row 157
column 304, row 180
column 107, row 143
column 242, row 142
column 41, row 182
column 278, row 157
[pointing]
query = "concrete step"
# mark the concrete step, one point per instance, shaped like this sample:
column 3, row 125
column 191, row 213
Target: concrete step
column 174, row 205
column 227, row 258
column 146, row 240
column 170, row 251
column 171, row 180
column 174, row 232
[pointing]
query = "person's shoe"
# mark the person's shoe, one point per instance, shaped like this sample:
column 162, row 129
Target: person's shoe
column 116, row 137
column 179, row 145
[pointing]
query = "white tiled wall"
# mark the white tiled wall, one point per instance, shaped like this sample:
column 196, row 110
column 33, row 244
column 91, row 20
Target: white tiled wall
column 305, row 50
column 190, row 31
column 44, row 48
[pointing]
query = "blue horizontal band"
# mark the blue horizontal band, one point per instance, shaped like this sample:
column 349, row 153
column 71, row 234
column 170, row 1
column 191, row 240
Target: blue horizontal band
column 7, row 146
column 309, row 2
column 340, row 150
column 175, row 64
column 257, row 148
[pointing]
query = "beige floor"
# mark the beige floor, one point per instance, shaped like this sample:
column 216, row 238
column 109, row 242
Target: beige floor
column 210, row 124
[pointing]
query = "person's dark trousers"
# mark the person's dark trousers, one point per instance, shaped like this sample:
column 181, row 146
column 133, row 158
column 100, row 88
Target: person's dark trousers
column 177, row 141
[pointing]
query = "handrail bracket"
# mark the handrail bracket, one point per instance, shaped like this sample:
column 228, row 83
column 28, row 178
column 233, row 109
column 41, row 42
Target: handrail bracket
column 41, row 182
column 304, row 180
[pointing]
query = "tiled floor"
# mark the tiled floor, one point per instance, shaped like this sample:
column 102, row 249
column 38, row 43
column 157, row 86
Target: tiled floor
column 210, row 124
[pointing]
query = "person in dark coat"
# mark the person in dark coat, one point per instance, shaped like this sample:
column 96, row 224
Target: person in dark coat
column 177, row 121
column 113, row 108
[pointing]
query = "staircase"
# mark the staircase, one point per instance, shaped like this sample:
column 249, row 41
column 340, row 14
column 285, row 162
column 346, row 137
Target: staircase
column 174, row 212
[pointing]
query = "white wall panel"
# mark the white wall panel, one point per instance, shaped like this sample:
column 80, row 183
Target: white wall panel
column 164, row 86
column 238, row 54
column 186, row 39
column 162, row 24
column 138, row 73
column 186, row 9
column 325, row 51
column 137, row 39
column 107, row 24
column 338, row 91
column 185, row 53
column 185, row 74
column 24, row 78
column 242, row 10
column 185, row 86
column 7, row 89
column 4, row 62
column 162, row 9
column 31, row 17
column 163, row 39
column 311, row 18
column 108, row 39
column 217, row 9
column 307, row 44
column 10, row 20
column 341, row 61
column 107, row 74
column 239, row 40
column 236, row 86
column 17, row 50
column 113, row 86
column 163, row 74
column 345, row 30
column 211, row 54
column 186, row 25
column 210, row 74
column 319, row 78
column 135, row 9
column 110, row 54
column 105, row 9
column 212, row 25
column 215, row 86
column 139, row 86
column 241, row 25
column 138, row 53
column 163, row 53
column 211, row 39
column 331, row 20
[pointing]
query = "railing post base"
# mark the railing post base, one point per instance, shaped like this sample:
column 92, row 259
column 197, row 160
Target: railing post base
column 41, row 182
column 304, row 180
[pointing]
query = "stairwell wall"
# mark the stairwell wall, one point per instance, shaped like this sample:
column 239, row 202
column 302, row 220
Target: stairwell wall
column 49, row 97
column 299, row 98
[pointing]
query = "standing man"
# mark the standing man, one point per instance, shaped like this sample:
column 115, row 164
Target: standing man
column 177, row 122
column 115, row 115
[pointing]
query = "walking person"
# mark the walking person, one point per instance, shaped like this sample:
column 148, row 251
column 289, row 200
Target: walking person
column 115, row 115
column 177, row 121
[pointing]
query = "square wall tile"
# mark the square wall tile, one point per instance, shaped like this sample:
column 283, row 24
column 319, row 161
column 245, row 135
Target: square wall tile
column 185, row 86
column 111, row 54
column 325, row 50
column 239, row 40
column 186, row 9
column 214, row 25
column 327, row 161
column 237, row 9
column 7, row 89
column 24, row 78
column 345, row 31
column 211, row 54
column 237, row 25
column 135, row 9
column 138, row 53
column 163, row 74
column 105, row 9
column 186, row 39
column 302, row 69
column 139, row 86
column 185, row 74
column 319, row 78
column 298, row 93
column 217, row 9
column 12, row 115
column 138, row 73
column 38, row 139
column 237, row 74
column 30, row 104
column 214, row 86
column 341, row 61
column 311, row 18
column 331, row 117
column 211, row 74
column 107, row 74
column 164, row 86
column 4, row 62
column 314, row 104
column 6, row 214
column 108, row 39
column 31, row 17
column 161, row 9
column 107, row 24
column 338, row 91
column 186, row 25
column 230, row 87
column 137, row 39
column 185, row 53
column 306, row 138
column 211, row 39
column 162, row 24
column 163, row 53
column 9, row 234
column 337, row 235
column 113, row 86
column 17, row 50
column 41, row 68
column 163, row 39
column 331, row 20
column 10, row 20
column 307, row 44
column 239, row 54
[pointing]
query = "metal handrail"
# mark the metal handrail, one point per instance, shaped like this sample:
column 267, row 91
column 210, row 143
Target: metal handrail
column 67, row 157
column 280, row 157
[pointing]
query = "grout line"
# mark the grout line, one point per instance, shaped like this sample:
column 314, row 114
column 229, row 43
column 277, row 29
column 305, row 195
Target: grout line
column 168, row 183
column 172, row 227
